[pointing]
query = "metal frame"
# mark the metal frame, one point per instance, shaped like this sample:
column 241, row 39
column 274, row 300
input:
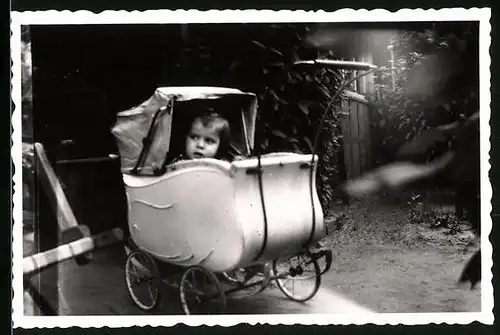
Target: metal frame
column 148, row 140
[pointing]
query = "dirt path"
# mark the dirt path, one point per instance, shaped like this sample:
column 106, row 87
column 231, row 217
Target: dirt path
column 395, row 280
column 388, row 264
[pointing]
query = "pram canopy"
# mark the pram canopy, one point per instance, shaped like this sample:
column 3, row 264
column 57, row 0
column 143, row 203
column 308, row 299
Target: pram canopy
column 145, row 133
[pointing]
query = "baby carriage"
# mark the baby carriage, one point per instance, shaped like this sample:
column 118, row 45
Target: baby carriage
column 196, row 224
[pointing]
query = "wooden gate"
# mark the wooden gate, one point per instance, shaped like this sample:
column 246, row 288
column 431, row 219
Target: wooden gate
column 355, row 124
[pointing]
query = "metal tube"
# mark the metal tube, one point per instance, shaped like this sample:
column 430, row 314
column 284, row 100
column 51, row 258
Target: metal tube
column 108, row 158
column 338, row 64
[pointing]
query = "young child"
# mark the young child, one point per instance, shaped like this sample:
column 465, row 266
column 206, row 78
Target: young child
column 208, row 137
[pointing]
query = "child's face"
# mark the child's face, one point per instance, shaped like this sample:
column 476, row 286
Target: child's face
column 202, row 141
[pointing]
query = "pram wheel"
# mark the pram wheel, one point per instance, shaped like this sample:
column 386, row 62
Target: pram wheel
column 299, row 276
column 201, row 292
column 143, row 280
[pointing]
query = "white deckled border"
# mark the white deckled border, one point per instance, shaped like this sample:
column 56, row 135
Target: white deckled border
column 52, row 17
column 16, row 152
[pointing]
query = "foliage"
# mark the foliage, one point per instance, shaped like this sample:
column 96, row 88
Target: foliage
column 291, row 106
column 434, row 220
column 433, row 81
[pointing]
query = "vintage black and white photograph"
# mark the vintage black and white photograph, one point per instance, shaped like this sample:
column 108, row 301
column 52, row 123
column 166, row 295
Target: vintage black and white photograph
column 321, row 169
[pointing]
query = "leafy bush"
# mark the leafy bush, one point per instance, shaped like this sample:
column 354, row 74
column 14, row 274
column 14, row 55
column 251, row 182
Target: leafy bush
column 433, row 81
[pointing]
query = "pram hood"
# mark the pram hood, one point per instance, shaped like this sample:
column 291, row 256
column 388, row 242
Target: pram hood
column 133, row 125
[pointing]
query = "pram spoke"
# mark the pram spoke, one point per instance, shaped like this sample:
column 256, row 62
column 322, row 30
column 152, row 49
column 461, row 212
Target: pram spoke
column 298, row 277
column 201, row 292
column 143, row 280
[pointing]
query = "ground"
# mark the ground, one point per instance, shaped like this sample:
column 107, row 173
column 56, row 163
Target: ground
column 382, row 259
column 387, row 262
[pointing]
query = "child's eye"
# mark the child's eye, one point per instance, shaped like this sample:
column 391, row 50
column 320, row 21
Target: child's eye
column 211, row 141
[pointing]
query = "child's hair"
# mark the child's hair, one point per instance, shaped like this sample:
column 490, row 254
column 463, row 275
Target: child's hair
column 211, row 118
